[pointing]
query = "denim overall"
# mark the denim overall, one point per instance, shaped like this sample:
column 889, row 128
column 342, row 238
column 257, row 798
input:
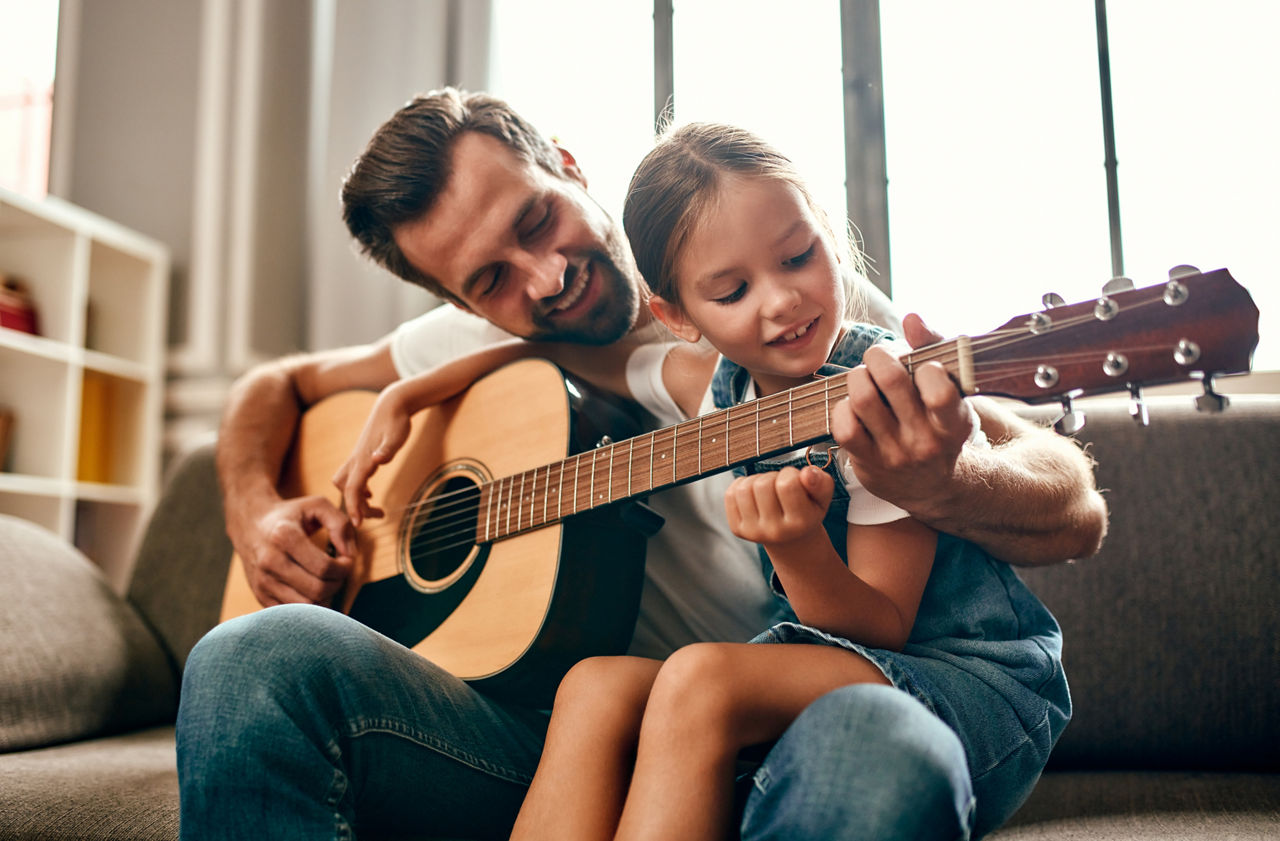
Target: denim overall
column 984, row 654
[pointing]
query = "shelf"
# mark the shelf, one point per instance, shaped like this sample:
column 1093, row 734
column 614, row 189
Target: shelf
column 87, row 392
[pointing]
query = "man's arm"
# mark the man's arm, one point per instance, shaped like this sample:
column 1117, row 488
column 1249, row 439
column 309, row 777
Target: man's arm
column 1030, row 499
column 272, row 534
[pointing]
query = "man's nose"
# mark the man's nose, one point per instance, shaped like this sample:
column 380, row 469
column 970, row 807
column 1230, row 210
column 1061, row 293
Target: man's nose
column 543, row 273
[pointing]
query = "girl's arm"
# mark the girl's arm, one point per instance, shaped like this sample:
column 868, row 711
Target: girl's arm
column 387, row 427
column 874, row 599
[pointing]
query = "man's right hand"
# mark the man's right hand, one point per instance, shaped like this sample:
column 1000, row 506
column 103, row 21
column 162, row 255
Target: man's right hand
column 282, row 559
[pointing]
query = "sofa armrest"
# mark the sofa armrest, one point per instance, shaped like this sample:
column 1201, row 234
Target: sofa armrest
column 77, row 660
column 181, row 568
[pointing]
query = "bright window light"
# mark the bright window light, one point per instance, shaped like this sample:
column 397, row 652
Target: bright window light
column 582, row 72
column 997, row 186
column 28, row 44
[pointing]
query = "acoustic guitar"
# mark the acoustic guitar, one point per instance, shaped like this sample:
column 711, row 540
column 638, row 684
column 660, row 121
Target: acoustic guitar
column 509, row 550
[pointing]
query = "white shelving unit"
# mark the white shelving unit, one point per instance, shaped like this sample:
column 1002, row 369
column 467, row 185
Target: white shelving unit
column 87, row 393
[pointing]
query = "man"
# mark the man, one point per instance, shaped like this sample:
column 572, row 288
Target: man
column 303, row 718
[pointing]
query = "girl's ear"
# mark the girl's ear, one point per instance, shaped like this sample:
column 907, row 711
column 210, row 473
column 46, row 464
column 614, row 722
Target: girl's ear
column 570, row 165
column 674, row 318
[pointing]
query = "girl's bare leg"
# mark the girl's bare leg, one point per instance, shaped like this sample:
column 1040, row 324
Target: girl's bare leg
column 582, row 778
column 708, row 702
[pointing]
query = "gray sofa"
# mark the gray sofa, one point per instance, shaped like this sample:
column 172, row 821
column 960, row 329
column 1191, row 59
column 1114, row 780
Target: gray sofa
column 1172, row 649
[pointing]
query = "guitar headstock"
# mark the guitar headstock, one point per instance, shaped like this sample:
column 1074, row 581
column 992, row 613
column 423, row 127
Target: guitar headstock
column 1195, row 326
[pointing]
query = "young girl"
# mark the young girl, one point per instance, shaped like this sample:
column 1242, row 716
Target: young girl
column 744, row 269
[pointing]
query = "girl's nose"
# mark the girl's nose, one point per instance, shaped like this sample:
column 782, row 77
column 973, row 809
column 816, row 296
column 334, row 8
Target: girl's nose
column 781, row 298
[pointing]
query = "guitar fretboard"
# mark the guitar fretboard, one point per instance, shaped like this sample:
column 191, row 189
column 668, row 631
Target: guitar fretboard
column 690, row 450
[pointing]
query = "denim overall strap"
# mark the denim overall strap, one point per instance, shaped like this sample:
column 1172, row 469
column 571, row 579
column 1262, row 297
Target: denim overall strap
column 729, row 387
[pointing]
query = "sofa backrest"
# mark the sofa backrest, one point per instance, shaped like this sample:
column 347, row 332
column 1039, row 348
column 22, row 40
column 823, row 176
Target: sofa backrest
column 181, row 568
column 1172, row 632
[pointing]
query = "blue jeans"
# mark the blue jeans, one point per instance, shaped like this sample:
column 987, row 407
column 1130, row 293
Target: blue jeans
column 297, row 722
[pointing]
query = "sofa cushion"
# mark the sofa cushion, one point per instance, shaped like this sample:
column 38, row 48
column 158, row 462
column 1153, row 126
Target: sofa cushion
column 77, row 660
column 123, row 786
column 1148, row 806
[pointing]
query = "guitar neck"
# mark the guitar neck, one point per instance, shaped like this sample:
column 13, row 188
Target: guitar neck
column 692, row 449
column 1194, row 326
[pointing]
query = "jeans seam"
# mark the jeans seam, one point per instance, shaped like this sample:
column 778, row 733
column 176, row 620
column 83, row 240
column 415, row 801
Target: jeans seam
column 341, row 827
column 1026, row 740
column 396, row 728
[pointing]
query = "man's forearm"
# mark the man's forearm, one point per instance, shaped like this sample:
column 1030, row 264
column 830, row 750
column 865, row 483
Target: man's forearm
column 257, row 427
column 1030, row 499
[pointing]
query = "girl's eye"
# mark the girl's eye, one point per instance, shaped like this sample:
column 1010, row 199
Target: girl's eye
column 801, row 259
column 735, row 295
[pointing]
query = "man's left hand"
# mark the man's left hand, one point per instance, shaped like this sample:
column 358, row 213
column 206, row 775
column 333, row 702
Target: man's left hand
column 902, row 435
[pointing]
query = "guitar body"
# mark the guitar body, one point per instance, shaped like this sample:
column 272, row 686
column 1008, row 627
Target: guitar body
column 512, row 616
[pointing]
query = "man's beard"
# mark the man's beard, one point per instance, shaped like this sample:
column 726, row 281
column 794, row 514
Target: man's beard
column 614, row 314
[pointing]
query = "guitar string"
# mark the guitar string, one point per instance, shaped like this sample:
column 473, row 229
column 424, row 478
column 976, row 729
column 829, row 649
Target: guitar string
column 943, row 350
column 470, row 497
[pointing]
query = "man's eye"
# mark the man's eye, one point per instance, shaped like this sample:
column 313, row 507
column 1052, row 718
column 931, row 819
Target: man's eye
column 735, row 295
column 494, row 283
column 801, row 259
column 538, row 225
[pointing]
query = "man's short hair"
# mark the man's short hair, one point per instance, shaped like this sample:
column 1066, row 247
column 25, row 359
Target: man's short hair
column 407, row 163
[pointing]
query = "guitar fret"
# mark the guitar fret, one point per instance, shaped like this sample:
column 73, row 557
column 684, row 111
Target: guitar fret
column 577, row 485
column 652, row 437
column 520, row 503
column 511, row 487
column 664, row 468
column 699, row 444
column 486, row 497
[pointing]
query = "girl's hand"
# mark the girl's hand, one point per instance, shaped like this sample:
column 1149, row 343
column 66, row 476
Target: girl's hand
column 383, row 435
column 778, row 507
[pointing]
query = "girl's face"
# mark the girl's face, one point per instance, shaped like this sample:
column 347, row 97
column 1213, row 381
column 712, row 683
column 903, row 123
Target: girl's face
column 760, row 280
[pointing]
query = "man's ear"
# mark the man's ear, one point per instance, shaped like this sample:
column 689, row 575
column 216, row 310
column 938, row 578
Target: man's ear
column 460, row 304
column 571, row 165
column 674, row 318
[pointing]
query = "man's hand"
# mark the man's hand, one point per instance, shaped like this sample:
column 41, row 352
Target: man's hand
column 281, row 558
column 902, row 436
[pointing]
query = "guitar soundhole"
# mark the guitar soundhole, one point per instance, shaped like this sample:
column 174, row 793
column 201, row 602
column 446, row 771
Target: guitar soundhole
column 441, row 534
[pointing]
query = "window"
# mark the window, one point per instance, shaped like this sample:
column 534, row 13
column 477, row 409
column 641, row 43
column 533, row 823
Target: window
column 778, row 75
column 581, row 71
column 28, row 42
column 997, row 186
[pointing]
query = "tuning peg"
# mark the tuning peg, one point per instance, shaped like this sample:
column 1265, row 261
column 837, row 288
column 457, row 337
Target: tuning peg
column 1071, row 421
column 1051, row 300
column 1182, row 270
column 1138, row 407
column 1117, row 284
column 1211, row 401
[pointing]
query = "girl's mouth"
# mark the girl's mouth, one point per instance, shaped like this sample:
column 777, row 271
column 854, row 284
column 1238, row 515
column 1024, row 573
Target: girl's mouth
column 793, row 336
